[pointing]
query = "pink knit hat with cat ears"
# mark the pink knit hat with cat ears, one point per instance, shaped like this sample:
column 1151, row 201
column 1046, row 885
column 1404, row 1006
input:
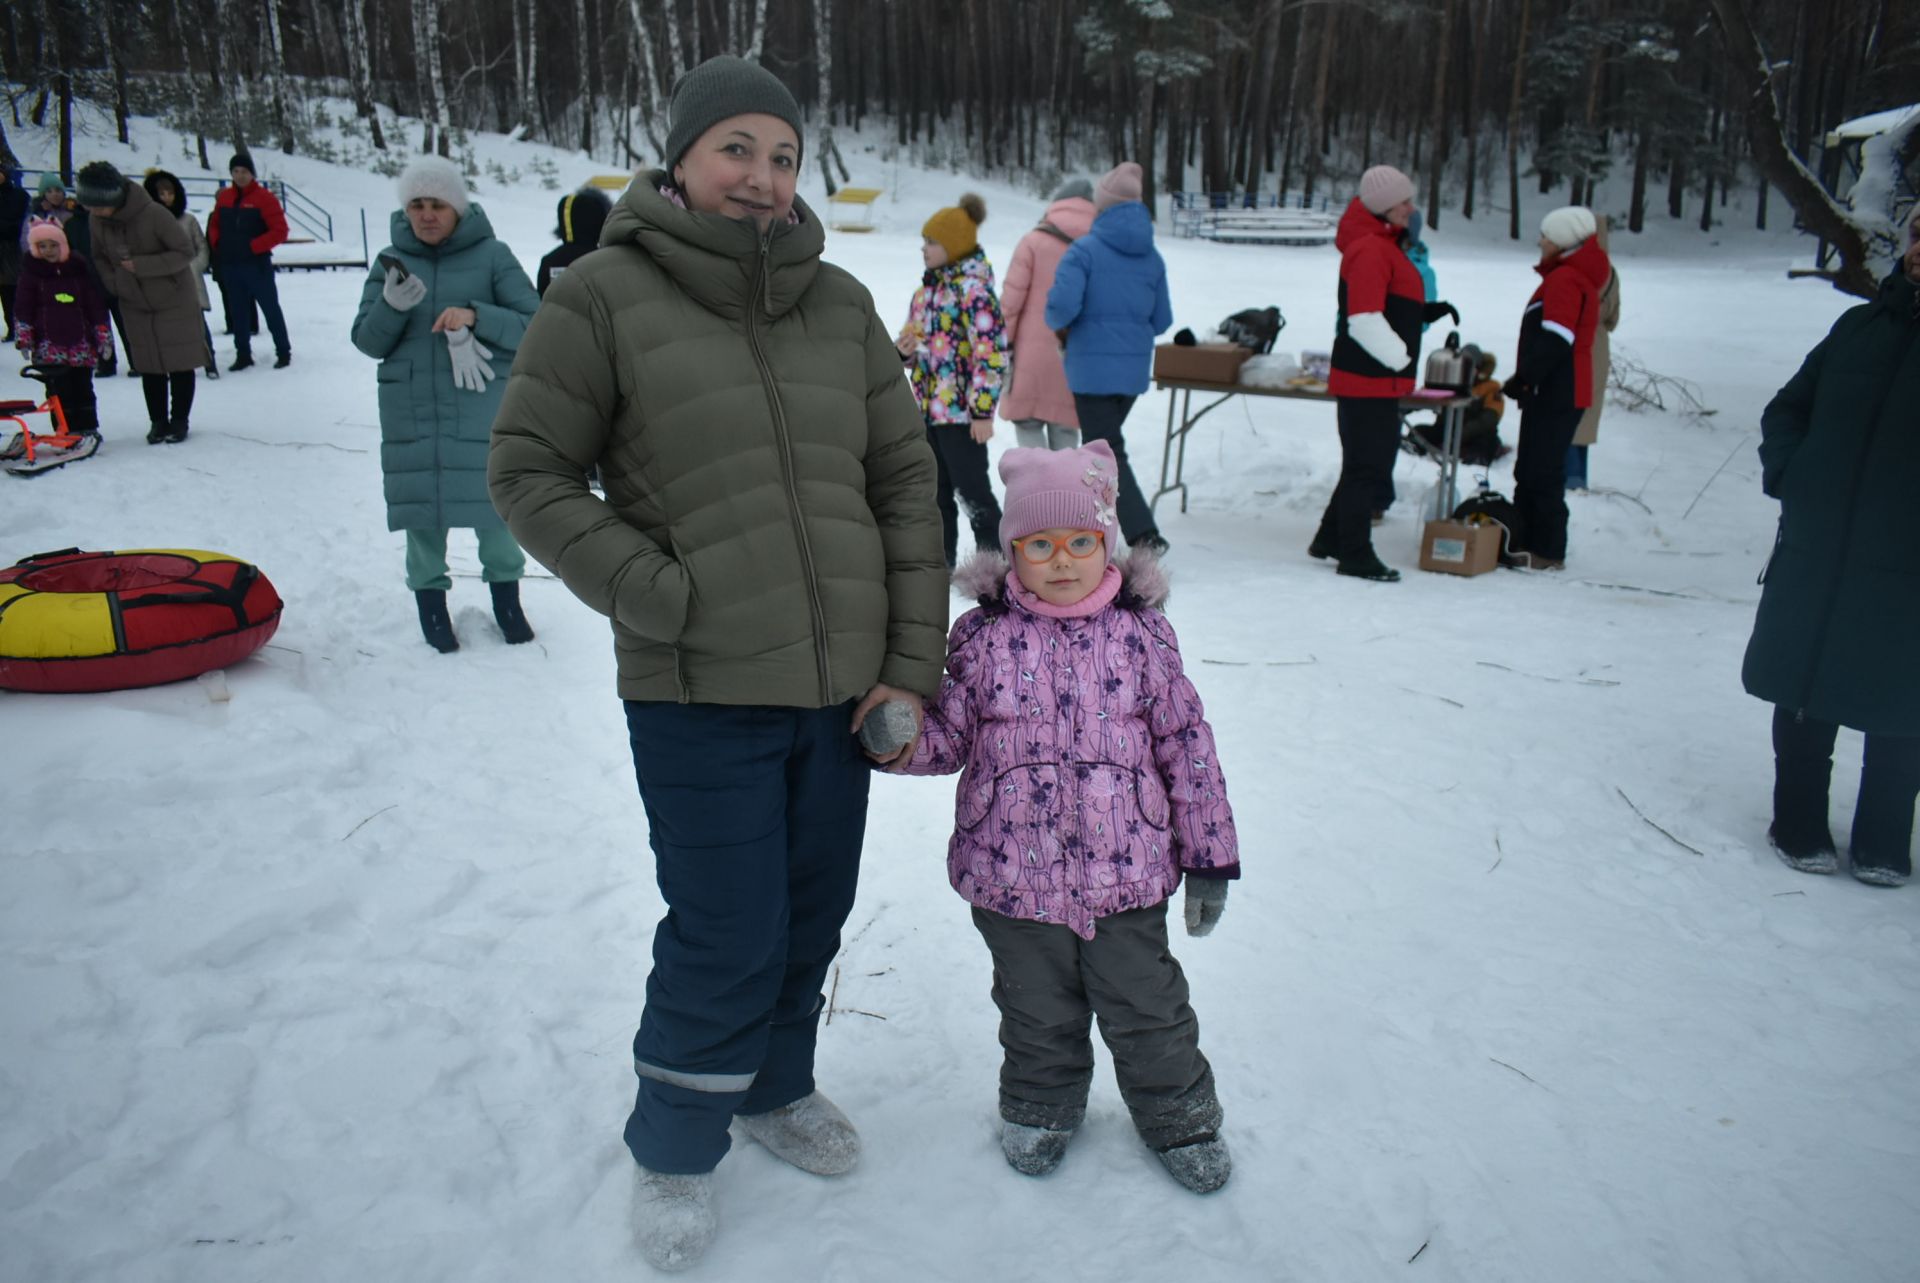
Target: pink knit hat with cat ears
column 1060, row 490
column 48, row 229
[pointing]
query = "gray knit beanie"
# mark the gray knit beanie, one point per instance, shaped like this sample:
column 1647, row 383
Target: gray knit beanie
column 720, row 88
column 1073, row 189
column 99, row 183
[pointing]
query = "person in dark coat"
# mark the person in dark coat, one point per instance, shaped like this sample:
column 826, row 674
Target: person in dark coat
column 63, row 323
column 13, row 218
column 1833, row 640
column 581, row 216
column 1553, row 378
column 247, row 223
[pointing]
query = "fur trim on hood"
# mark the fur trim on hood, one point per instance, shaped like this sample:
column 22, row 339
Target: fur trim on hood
column 1143, row 579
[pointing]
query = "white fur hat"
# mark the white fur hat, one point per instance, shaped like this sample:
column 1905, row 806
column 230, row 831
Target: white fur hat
column 434, row 178
column 1568, row 225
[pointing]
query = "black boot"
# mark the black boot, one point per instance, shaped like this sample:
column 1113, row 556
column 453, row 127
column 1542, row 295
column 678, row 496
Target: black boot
column 283, row 360
column 177, row 431
column 507, row 613
column 241, row 361
column 1369, row 568
column 435, row 624
column 156, row 433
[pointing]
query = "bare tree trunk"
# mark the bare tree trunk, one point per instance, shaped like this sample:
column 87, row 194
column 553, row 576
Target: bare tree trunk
column 676, row 51
column 823, row 94
column 1442, row 135
column 360, row 67
column 1637, row 205
column 277, row 75
column 1513, row 119
column 583, row 87
column 757, row 36
column 111, row 42
column 436, row 75
column 1316, row 138
column 652, row 113
column 1471, row 100
column 1766, row 134
column 519, row 52
column 1260, row 126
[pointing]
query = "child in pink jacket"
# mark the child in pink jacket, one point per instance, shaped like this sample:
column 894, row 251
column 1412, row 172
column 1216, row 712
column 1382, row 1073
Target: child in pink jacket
column 1089, row 787
column 1037, row 399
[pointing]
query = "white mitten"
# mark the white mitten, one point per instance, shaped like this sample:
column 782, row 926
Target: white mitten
column 403, row 293
column 470, row 360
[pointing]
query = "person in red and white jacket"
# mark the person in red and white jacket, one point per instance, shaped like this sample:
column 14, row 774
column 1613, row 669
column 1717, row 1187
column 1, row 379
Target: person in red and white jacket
column 1383, row 305
column 247, row 223
column 1553, row 378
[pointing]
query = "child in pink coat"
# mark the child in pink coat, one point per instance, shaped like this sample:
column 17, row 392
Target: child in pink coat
column 1089, row 788
column 1037, row 400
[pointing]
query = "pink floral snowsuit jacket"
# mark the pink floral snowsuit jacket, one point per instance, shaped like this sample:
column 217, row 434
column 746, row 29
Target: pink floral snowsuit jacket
column 963, row 355
column 1088, row 774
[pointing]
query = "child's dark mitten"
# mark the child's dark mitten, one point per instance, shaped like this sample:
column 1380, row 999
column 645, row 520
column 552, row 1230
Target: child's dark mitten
column 888, row 728
column 1206, row 901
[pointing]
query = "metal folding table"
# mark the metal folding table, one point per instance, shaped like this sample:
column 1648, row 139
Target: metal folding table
column 1173, row 455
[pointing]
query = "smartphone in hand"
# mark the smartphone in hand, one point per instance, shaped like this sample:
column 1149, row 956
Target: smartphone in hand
column 393, row 264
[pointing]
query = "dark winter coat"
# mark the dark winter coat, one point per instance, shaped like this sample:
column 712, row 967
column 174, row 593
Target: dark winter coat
column 433, row 435
column 246, row 223
column 60, row 315
column 582, row 215
column 1839, row 617
column 159, row 304
column 1555, row 358
column 1110, row 295
column 769, row 534
column 1376, row 278
column 13, row 220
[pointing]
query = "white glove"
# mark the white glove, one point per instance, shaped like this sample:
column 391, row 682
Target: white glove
column 470, row 360
column 403, row 293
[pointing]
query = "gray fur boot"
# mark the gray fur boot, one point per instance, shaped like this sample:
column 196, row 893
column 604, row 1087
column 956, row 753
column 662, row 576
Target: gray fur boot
column 1202, row 1165
column 811, row 1133
column 1034, row 1151
column 673, row 1219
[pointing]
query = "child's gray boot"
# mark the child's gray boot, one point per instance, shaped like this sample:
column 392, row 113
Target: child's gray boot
column 673, row 1219
column 811, row 1133
column 1201, row 1165
column 1034, row 1151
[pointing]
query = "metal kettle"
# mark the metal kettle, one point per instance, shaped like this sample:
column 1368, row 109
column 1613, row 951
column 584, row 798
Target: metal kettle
column 1452, row 366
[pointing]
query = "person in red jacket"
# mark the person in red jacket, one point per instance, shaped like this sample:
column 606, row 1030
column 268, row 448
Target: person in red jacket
column 1383, row 305
column 1553, row 379
column 247, row 223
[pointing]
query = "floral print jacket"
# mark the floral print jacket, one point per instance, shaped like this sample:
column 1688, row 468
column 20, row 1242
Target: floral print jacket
column 961, row 360
column 1089, row 780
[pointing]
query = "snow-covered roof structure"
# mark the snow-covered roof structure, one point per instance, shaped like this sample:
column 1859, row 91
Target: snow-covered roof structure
column 1880, row 122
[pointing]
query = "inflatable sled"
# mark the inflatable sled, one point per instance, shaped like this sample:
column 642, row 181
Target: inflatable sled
column 76, row 621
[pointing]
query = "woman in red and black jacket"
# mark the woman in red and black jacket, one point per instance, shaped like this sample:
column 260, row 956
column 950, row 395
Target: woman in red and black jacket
column 1376, row 343
column 1553, row 378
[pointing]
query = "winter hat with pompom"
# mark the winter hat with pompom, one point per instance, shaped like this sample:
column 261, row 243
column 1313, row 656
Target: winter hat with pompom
column 956, row 228
column 1568, row 225
column 1122, row 183
column 99, row 184
column 1383, row 187
column 434, row 178
column 49, row 182
column 1059, row 490
column 48, row 229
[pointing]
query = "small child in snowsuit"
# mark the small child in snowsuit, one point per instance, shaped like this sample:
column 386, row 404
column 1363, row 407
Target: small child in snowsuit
column 60, row 323
column 1480, row 435
column 954, row 344
column 1089, row 788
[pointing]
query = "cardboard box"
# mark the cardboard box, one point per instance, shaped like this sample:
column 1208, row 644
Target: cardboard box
column 1202, row 363
column 1456, row 548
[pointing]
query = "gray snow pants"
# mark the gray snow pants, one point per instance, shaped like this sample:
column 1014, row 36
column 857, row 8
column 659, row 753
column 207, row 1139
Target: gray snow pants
column 1049, row 985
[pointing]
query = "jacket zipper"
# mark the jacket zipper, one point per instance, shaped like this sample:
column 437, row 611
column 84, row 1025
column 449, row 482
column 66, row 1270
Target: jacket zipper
column 754, row 303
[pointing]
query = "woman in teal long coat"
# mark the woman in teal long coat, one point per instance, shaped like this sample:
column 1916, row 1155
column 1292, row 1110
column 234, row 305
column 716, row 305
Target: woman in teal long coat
column 1835, row 641
column 443, row 311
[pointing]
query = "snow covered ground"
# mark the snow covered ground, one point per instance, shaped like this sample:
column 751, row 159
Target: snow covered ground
column 335, row 981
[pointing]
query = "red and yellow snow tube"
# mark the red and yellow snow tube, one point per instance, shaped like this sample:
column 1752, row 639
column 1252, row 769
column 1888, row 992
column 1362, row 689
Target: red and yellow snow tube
column 94, row 621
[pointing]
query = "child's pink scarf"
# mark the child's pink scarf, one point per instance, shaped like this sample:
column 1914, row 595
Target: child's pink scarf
column 1092, row 604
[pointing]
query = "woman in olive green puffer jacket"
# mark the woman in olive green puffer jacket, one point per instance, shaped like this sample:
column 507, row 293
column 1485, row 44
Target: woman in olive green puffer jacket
column 770, row 555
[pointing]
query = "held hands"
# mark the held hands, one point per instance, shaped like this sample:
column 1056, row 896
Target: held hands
column 1206, row 901
column 471, row 370
column 982, row 430
column 1434, row 311
column 403, row 293
column 880, row 694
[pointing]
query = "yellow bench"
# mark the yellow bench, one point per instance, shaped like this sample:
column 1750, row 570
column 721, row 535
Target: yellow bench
column 852, row 198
